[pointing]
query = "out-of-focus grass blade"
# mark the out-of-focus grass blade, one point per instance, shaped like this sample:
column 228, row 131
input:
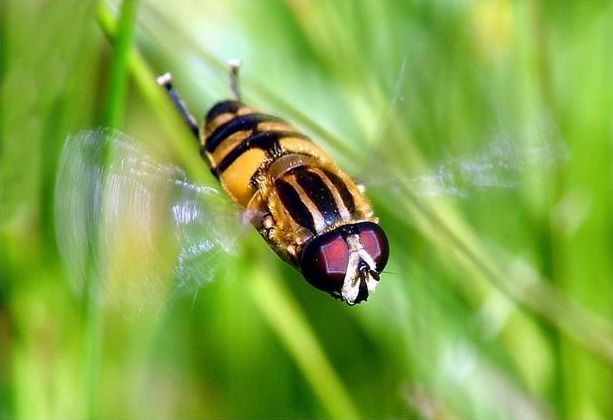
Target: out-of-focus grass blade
column 113, row 111
column 118, row 78
column 288, row 321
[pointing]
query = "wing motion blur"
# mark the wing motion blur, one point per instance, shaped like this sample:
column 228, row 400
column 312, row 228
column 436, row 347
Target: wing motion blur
column 499, row 164
column 133, row 229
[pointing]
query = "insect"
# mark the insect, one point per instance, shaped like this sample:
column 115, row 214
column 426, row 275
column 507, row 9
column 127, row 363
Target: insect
column 310, row 212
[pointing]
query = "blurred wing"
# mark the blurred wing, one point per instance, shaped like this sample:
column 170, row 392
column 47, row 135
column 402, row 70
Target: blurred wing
column 500, row 164
column 132, row 229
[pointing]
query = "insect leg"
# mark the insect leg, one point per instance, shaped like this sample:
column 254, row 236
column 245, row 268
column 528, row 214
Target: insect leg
column 165, row 81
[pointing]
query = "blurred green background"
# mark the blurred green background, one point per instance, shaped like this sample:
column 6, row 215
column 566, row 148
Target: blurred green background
column 483, row 132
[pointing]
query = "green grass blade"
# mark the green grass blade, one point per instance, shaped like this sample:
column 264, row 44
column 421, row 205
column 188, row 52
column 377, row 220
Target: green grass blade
column 115, row 105
column 289, row 323
column 113, row 111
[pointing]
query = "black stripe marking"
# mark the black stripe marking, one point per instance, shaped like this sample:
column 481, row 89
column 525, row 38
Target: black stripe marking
column 319, row 193
column 240, row 123
column 343, row 191
column 268, row 141
column 223, row 108
column 294, row 205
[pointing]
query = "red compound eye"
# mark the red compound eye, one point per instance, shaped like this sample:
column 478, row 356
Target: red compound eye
column 374, row 242
column 324, row 261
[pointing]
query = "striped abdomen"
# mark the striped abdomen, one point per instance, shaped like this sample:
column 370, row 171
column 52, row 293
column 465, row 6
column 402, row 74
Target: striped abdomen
column 239, row 141
column 315, row 198
column 279, row 174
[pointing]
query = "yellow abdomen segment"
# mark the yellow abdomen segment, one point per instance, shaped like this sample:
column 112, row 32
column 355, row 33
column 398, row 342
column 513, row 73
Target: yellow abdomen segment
column 238, row 142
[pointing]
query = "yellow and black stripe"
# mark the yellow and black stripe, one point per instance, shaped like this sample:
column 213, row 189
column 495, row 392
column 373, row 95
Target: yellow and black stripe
column 269, row 167
column 315, row 198
column 238, row 142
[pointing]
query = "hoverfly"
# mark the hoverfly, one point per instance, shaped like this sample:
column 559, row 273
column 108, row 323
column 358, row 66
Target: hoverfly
column 309, row 211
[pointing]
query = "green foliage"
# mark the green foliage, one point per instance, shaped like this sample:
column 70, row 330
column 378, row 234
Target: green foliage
column 482, row 131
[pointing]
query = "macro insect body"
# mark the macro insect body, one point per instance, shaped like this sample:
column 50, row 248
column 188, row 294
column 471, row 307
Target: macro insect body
column 311, row 213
